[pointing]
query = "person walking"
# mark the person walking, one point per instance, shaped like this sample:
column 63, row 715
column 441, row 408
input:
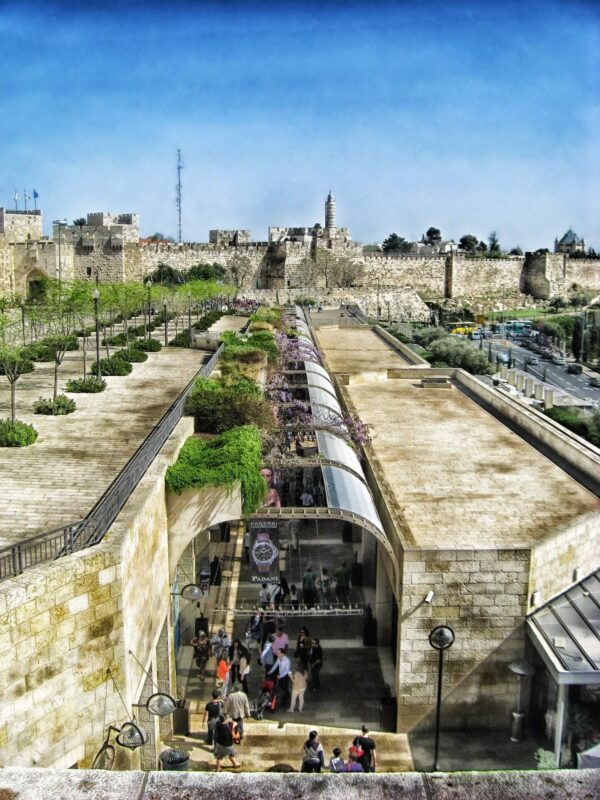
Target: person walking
column 268, row 657
column 294, row 596
column 237, row 655
column 220, row 644
column 237, row 707
column 253, row 629
column 211, row 714
column 283, row 668
column 324, row 584
column 316, row 662
column 223, row 668
column 303, row 646
column 298, row 689
column 281, row 641
column 269, row 625
column 342, row 581
column 313, row 758
column 365, row 743
column 264, row 596
column 224, row 742
column 202, row 652
column 308, row 586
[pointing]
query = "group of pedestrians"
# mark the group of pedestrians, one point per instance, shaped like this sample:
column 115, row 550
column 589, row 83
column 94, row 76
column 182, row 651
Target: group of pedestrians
column 362, row 754
column 291, row 684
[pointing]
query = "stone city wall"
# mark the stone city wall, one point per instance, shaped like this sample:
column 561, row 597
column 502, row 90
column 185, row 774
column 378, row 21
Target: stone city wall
column 19, row 226
column 7, row 278
column 426, row 274
column 548, row 275
column 482, row 596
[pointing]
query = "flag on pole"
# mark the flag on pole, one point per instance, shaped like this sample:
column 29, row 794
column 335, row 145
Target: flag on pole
column 26, row 196
column 16, row 201
column 35, row 194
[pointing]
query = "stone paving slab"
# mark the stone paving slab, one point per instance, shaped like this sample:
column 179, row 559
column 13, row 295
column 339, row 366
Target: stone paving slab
column 58, row 479
column 356, row 349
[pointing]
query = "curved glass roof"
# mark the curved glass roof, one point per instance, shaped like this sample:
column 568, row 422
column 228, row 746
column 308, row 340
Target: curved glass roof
column 324, row 398
column 313, row 379
column 327, row 417
column 334, row 448
column 311, row 367
column 348, row 493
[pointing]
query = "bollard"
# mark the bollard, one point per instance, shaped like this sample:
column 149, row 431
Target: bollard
column 548, row 398
column 520, row 381
column 528, row 387
column 512, row 377
column 539, row 391
column 504, row 372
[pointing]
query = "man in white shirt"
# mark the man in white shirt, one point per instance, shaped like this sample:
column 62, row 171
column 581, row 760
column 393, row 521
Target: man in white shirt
column 283, row 667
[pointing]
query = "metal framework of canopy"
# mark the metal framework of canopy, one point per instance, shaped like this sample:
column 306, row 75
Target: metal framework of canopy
column 565, row 631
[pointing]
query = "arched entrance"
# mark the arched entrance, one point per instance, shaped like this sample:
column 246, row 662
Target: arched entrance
column 35, row 285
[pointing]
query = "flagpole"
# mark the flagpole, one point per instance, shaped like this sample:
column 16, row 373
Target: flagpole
column 25, row 198
column 16, row 201
column 35, row 197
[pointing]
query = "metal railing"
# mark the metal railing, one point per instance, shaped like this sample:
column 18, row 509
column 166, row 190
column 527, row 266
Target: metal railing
column 87, row 532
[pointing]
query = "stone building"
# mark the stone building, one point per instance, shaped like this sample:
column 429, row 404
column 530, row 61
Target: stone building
column 570, row 243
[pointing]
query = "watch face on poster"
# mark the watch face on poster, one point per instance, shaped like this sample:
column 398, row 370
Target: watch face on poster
column 264, row 549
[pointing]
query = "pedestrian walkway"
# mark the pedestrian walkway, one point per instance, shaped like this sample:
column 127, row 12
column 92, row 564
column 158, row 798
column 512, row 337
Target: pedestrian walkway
column 57, row 480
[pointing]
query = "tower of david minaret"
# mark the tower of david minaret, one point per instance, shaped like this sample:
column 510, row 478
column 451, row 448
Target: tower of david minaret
column 330, row 215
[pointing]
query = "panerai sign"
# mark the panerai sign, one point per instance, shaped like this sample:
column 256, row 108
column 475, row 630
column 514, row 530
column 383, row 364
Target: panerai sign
column 264, row 550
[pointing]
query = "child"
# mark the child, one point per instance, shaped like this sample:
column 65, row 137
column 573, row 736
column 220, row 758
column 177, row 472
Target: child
column 336, row 764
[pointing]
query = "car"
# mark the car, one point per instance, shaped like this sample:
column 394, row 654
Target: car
column 503, row 358
column 532, row 360
column 560, row 360
column 574, row 369
column 546, row 355
column 595, row 382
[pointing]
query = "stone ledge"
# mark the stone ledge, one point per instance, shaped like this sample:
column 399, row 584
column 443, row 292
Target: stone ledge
column 31, row 784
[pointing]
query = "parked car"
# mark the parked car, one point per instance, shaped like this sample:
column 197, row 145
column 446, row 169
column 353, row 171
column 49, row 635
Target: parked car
column 574, row 369
column 560, row 360
column 546, row 355
column 595, row 382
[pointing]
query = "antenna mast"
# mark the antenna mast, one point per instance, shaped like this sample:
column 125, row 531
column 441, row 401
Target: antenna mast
column 178, row 196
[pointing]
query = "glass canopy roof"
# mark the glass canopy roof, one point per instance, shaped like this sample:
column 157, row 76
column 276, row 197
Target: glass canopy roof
column 566, row 632
column 334, row 448
column 347, row 492
column 313, row 379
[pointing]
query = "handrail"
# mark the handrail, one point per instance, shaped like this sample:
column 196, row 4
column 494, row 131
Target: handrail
column 90, row 530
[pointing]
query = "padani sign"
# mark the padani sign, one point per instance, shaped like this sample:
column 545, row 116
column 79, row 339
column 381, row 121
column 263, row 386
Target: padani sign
column 264, row 551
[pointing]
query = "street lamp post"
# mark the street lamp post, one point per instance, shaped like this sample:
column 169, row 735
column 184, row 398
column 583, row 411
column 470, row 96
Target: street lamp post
column 166, row 321
column 60, row 223
column 23, row 321
column 190, row 317
column 96, row 298
column 148, row 288
column 441, row 638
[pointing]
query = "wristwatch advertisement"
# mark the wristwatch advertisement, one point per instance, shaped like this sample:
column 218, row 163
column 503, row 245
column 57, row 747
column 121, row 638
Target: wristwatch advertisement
column 264, row 550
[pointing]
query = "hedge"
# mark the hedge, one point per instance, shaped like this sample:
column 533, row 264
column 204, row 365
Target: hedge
column 17, row 434
column 90, row 385
column 61, row 406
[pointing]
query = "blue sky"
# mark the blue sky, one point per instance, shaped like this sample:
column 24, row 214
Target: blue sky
column 466, row 116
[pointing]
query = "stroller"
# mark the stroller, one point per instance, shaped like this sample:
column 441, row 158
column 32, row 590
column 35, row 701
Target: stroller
column 267, row 700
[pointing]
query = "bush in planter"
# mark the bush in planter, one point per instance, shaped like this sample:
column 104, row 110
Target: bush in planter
column 84, row 332
column 113, row 366
column 26, row 366
column 181, row 340
column 38, row 352
column 148, row 345
column 59, row 407
column 132, row 354
column 16, row 434
column 117, row 339
column 89, row 385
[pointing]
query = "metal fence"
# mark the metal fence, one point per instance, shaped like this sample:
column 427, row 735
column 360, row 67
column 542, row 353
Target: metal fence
column 89, row 531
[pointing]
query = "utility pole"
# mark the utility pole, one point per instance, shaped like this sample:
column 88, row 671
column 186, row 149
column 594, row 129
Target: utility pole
column 178, row 189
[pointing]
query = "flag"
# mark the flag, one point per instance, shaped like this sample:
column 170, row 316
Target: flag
column 16, row 196
column 26, row 196
column 35, row 194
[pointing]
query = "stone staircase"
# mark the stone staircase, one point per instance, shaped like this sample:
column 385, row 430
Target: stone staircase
column 277, row 746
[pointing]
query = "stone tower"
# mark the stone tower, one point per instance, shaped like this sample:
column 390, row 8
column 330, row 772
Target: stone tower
column 330, row 215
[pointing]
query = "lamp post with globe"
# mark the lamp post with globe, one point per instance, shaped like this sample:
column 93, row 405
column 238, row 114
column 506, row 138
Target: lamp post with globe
column 440, row 638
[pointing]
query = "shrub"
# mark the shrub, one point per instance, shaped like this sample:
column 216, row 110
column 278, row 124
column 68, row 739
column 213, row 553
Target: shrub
column 84, row 332
column 457, row 353
column 131, row 354
column 116, row 340
column 304, row 300
column 89, row 385
column 217, row 407
column 148, row 345
column 583, row 424
column 17, row 434
column 38, row 352
column 181, row 340
column 59, row 407
column 425, row 336
column 260, row 326
column 207, row 320
column 234, row 456
column 113, row 366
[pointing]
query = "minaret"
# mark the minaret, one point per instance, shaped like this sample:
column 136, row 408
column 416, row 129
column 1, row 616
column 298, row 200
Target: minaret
column 330, row 215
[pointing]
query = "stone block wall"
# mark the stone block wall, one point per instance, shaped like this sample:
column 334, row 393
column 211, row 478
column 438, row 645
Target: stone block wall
column 554, row 560
column 482, row 596
column 481, row 277
column 107, row 265
column 7, row 277
column 426, row 274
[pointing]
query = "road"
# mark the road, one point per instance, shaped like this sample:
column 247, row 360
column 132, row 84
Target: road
column 577, row 385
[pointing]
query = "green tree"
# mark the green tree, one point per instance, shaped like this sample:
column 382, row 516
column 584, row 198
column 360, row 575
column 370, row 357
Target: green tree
column 468, row 243
column 516, row 251
column 433, row 236
column 166, row 275
column 482, row 247
column 395, row 244
column 205, row 272
column 13, row 364
column 80, row 222
column 494, row 242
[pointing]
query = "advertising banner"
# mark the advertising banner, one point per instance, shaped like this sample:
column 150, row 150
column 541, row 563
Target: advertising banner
column 264, row 550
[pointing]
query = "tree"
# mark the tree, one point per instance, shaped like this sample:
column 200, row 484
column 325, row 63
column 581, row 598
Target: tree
column 160, row 237
column 482, row 247
column 80, row 222
column 577, row 341
column 433, row 236
column 347, row 273
column 167, row 275
column 205, row 272
column 494, row 242
column 395, row 244
column 516, row 251
column 13, row 364
column 468, row 243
